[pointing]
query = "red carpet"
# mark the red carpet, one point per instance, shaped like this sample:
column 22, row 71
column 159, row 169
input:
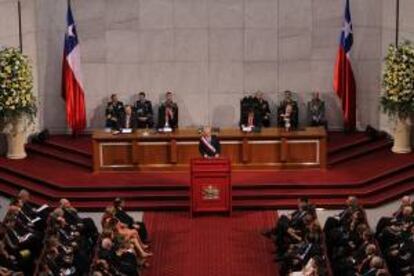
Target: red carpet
column 210, row 245
column 358, row 165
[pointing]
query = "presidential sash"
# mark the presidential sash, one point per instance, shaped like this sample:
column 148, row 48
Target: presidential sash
column 208, row 145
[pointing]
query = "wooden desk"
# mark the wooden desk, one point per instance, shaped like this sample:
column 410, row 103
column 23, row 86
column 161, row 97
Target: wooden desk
column 272, row 148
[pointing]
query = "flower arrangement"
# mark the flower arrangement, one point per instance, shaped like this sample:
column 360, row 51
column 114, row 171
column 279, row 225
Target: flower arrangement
column 398, row 81
column 16, row 88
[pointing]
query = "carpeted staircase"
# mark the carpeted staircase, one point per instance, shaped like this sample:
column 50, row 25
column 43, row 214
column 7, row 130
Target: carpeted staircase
column 359, row 164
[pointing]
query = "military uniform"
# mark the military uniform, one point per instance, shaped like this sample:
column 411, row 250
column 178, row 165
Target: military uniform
column 172, row 122
column 113, row 113
column 294, row 120
column 263, row 109
column 316, row 112
column 144, row 109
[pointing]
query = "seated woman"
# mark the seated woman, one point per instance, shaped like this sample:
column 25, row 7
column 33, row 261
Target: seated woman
column 129, row 235
column 209, row 145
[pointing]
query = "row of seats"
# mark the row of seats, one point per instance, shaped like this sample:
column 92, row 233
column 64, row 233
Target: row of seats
column 352, row 248
column 299, row 242
column 46, row 241
column 395, row 234
column 123, row 247
column 347, row 246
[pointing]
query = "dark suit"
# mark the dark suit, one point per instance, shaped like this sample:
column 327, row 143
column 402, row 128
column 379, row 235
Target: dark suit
column 205, row 150
column 132, row 121
column 144, row 109
column 294, row 119
column 257, row 120
column 172, row 121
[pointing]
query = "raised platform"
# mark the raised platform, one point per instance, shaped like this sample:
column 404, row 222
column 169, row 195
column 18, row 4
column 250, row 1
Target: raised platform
column 149, row 150
column 357, row 164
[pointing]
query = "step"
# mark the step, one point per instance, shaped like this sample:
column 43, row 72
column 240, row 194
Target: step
column 68, row 148
column 133, row 205
column 331, row 191
column 91, row 195
column 92, row 187
column 359, row 151
column 69, row 157
column 356, row 143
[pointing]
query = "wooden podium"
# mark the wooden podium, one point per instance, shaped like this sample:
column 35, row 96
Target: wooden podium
column 210, row 185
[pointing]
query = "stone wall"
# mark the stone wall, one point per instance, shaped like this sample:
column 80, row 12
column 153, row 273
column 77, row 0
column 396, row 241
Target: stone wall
column 209, row 52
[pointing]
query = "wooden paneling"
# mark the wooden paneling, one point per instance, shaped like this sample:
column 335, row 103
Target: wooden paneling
column 302, row 151
column 116, row 155
column 272, row 148
column 264, row 151
column 151, row 153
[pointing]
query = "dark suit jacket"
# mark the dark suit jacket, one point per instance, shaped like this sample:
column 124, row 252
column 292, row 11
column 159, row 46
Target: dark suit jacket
column 257, row 120
column 132, row 121
column 204, row 150
column 173, row 123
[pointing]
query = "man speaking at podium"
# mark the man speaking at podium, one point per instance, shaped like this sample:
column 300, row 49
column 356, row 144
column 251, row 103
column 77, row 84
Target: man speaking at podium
column 209, row 145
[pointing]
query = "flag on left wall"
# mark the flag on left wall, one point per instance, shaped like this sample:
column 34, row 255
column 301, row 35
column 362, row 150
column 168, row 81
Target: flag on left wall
column 72, row 87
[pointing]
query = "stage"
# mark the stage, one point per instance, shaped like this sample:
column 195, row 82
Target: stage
column 357, row 164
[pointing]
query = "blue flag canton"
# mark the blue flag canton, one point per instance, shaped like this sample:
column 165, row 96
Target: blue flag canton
column 71, row 36
column 346, row 34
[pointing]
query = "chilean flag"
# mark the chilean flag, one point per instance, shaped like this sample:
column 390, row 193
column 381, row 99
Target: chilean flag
column 72, row 86
column 344, row 81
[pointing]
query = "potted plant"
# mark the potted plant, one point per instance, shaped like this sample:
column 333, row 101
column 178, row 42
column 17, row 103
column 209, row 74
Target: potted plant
column 397, row 99
column 17, row 102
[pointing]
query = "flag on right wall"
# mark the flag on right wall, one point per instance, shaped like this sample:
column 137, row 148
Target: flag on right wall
column 344, row 81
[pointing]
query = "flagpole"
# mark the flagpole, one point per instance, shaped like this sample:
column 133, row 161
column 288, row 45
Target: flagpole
column 397, row 22
column 19, row 12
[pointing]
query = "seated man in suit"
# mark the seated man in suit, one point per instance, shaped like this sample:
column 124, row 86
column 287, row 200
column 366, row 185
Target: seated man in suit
column 316, row 111
column 127, row 119
column 143, row 110
column 288, row 103
column 168, row 113
column 263, row 108
column 113, row 112
column 209, row 145
column 251, row 119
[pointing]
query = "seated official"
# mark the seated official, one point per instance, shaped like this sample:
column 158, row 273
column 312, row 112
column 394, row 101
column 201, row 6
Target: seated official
column 113, row 112
column 143, row 111
column 263, row 108
column 251, row 119
column 316, row 111
column 396, row 239
column 168, row 113
column 209, row 145
column 287, row 117
column 127, row 119
column 288, row 103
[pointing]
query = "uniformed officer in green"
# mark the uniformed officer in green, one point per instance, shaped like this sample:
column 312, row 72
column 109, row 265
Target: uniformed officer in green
column 143, row 112
column 168, row 112
column 293, row 111
column 114, row 111
column 316, row 111
column 263, row 108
